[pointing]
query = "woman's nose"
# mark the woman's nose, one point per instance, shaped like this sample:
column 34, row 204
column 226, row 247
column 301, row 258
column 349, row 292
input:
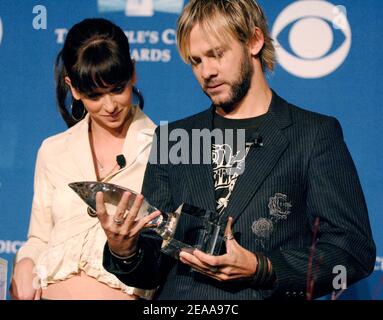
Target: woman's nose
column 109, row 103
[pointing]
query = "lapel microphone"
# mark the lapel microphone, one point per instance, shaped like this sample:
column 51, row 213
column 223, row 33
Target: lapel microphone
column 121, row 161
column 256, row 139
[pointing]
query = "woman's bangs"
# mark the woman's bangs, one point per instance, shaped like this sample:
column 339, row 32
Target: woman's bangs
column 100, row 70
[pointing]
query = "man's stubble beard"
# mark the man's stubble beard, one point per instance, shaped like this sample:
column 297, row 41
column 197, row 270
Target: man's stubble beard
column 238, row 89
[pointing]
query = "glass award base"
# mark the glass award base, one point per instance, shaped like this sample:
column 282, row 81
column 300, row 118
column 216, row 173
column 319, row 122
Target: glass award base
column 188, row 227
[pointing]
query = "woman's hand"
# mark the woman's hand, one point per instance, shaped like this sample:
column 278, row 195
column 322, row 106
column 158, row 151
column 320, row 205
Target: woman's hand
column 23, row 286
column 122, row 230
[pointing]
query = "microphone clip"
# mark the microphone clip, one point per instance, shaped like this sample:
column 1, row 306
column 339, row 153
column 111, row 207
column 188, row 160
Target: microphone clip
column 121, row 161
column 257, row 139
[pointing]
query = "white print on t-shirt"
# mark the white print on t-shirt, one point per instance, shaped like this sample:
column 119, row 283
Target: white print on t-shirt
column 227, row 167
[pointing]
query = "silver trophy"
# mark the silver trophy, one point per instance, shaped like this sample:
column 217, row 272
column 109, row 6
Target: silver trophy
column 188, row 227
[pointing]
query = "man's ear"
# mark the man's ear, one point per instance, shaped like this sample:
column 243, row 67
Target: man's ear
column 256, row 42
column 75, row 93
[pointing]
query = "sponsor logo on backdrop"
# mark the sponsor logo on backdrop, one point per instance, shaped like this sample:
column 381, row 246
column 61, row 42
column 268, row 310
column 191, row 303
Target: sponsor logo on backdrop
column 146, row 45
column 379, row 264
column 1, row 30
column 311, row 38
column 9, row 246
column 140, row 8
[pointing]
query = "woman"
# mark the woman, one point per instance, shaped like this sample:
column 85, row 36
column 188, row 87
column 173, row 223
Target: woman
column 63, row 254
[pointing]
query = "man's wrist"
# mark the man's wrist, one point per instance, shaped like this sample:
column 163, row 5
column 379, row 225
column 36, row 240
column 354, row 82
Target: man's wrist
column 264, row 275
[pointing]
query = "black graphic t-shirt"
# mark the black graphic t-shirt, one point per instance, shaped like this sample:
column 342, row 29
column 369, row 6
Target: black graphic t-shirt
column 229, row 153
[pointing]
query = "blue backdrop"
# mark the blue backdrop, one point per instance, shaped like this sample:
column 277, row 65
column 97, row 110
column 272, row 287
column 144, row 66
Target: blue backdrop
column 329, row 61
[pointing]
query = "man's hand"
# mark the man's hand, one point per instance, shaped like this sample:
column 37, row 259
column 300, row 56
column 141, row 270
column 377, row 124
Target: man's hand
column 235, row 264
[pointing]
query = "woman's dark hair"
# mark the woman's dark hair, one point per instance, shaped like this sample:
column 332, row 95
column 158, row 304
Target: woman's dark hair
column 96, row 55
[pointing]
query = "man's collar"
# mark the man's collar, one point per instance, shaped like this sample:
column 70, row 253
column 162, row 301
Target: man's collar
column 278, row 109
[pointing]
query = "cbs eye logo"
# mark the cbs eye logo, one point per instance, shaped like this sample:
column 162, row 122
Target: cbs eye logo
column 315, row 26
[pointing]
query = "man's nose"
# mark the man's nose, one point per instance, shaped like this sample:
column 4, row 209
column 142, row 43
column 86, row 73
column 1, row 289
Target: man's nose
column 208, row 69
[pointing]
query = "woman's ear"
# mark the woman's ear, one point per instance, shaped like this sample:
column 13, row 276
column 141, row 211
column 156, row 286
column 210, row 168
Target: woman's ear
column 75, row 93
column 256, row 42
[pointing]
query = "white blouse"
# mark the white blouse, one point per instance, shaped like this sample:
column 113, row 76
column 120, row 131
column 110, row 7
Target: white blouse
column 63, row 239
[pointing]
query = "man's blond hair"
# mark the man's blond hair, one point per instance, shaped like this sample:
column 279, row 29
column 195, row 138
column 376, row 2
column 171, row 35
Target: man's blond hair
column 222, row 19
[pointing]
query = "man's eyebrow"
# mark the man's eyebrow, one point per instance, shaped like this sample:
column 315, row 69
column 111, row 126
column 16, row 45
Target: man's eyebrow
column 215, row 50
column 211, row 52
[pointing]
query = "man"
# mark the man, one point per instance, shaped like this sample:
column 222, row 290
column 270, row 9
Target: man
column 293, row 213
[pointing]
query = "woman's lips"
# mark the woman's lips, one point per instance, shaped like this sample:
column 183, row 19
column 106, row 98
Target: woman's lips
column 114, row 115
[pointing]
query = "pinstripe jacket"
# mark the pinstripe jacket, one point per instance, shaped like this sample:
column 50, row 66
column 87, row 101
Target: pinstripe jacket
column 303, row 174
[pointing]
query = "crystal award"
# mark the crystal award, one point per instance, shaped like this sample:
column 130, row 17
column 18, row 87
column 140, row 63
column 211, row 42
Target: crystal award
column 188, row 227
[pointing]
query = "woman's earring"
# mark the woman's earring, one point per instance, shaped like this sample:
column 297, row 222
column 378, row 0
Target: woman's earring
column 77, row 111
column 139, row 99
